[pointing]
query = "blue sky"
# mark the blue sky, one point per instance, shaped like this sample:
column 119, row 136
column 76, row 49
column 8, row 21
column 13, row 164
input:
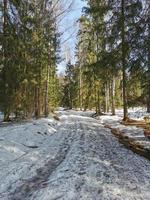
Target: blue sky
column 69, row 28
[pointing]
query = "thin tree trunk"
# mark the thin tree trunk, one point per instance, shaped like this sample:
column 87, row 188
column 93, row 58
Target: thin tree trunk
column 106, row 106
column 5, row 33
column 37, row 102
column 148, row 101
column 98, row 103
column 46, row 109
column 148, row 89
column 125, row 110
column 113, row 96
column 106, row 97
column 80, row 88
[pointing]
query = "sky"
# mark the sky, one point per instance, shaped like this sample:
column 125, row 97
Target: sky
column 69, row 27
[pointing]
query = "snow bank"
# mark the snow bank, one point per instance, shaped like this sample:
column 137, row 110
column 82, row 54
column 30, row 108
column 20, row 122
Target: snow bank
column 23, row 149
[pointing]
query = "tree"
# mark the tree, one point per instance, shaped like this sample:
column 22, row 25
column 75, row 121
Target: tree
column 30, row 46
column 69, row 86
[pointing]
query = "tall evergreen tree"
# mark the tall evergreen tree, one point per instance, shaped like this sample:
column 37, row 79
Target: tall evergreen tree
column 30, row 52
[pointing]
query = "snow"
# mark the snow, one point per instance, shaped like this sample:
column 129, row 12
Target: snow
column 71, row 159
column 132, row 133
column 22, row 148
column 137, row 113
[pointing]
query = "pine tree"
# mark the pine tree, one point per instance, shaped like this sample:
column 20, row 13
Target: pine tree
column 69, row 86
column 30, row 52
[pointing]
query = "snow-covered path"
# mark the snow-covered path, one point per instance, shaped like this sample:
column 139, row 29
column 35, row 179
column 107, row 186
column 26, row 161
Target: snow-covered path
column 84, row 162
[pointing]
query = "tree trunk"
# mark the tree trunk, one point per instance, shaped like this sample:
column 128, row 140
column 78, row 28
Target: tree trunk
column 5, row 33
column 37, row 102
column 148, row 89
column 80, row 88
column 98, row 103
column 113, row 96
column 148, row 101
column 125, row 110
column 106, row 97
column 46, row 109
column 106, row 106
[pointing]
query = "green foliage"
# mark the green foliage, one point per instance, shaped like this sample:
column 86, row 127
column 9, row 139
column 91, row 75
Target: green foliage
column 29, row 55
column 113, row 56
column 70, row 87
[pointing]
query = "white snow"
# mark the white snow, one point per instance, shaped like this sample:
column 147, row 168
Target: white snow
column 75, row 158
column 23, row 149
column 137, row 113
column 131, row 132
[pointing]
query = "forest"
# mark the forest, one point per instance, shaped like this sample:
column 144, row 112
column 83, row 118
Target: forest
column 74, row 99
column 112, row 58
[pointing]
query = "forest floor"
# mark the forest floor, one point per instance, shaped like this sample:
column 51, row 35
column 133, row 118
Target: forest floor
column 76, row 158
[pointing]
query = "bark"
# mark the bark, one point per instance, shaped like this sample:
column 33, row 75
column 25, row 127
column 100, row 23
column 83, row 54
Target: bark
column 107, row 97
column 106, row 106
column 113, row 96
column 37, row 102
column 98, row 104
column 124, row 60
column 148, row 89
column 46, row 109
column 80, row 92
column 148, row 100
column 5, row 33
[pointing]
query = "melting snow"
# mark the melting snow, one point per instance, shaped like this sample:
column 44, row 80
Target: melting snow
column 76, row 158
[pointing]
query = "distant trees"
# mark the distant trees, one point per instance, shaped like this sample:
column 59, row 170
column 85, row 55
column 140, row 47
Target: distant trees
column 69, row 89
column 112, row 66
column 113, row 55
column 29, row 53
